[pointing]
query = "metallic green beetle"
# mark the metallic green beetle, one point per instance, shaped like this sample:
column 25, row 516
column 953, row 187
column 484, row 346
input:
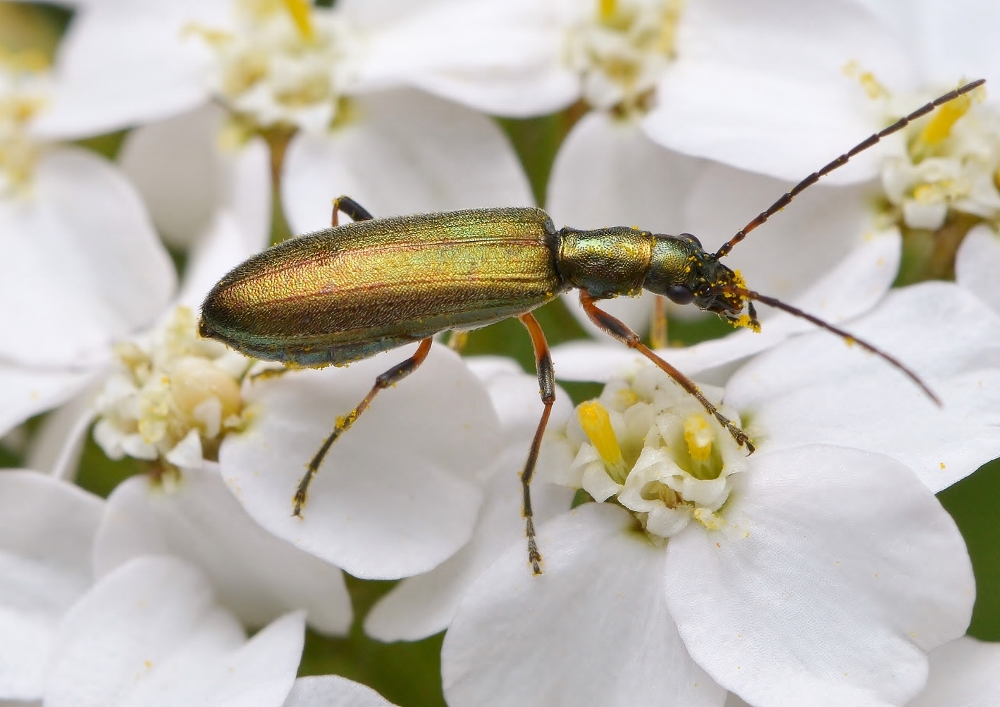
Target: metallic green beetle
column 349, row 292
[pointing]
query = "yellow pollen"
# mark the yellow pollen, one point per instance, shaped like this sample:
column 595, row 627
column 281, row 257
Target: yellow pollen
column 301, row 12
column 939, row 127
column 699, row 437
column 596, row 424
column 746, row 322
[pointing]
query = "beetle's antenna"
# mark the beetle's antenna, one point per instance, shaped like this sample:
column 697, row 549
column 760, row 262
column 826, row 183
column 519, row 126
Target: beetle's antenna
column 841, row 161
column 849, row 338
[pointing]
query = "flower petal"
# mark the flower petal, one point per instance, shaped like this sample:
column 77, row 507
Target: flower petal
column 333, row 691
column 149, row 634
column 84, row 265
column 570, row 635
column 122, row 63
column 780, row 101
column 255, row 575
column 398, row 493
column 963, row 673
column 25, row 392
column 815, row 389
column 839, row 571
column 496, row 56
column 977, row 264
column 405, row 153
column 47, row 530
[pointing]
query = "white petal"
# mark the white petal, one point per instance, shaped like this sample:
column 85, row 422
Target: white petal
column 977, row 264
column 426, row 604
column 778, row 100
column 48, row 527
column 203, row 176
column 25, row 392
column 406, row 152
column 963, row 674
column 398, row 493
column 608, row 173
column 82, row 261
column 57, row 444
column 592, row 630
column 149, row 634
column 255, row 575
column 818, row 389
column 123, row 63
column 496, row 56
column 333, row 691
column 840, row 573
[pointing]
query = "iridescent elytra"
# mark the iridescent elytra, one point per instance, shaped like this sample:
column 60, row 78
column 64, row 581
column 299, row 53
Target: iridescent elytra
column 351, row 291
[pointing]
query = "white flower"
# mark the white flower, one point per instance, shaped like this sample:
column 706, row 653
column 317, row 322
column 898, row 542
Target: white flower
column 150, row 633
column 48, row 528
column 398, row 493
column 802, row 569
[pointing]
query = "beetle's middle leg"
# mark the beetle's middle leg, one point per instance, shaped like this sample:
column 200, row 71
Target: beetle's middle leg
column 350, row 207
column 617, row 329
column 547, row 389
column 387, row 379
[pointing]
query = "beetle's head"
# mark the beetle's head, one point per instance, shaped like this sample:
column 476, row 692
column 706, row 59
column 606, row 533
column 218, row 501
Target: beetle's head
column 683, row 272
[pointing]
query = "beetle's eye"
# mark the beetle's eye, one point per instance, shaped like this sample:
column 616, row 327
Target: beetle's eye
column 679, row 294
column 691, row 238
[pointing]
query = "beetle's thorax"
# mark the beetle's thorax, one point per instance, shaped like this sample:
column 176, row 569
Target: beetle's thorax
column 605, row 262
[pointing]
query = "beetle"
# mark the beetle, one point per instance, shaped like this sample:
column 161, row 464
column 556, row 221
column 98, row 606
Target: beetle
column 346, row 293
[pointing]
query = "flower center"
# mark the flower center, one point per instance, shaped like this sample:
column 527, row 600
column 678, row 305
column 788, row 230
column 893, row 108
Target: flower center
column 650, row 447
column 283, row 63
column 172, row 398
column 946, row 181
column 622, row 50
column 22, row 91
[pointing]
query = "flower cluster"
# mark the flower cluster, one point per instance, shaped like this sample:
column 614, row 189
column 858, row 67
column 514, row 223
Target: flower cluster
column 161, row 144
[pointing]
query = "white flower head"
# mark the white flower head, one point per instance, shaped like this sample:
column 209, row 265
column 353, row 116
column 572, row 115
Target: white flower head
column 621, row 48
column 172, row 399
column 282, row 62
column 655, row 450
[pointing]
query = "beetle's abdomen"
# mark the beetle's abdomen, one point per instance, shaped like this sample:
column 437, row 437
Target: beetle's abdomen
column 342, row 294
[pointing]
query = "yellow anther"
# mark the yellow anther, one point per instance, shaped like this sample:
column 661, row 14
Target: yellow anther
column 939, row 127
column 699, row 437
column 606, row 9
column 596, row 424
column 301, row 12
column 871, row 86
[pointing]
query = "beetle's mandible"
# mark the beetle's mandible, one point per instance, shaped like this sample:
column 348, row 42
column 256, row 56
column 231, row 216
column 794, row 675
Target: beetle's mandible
column 349, row 292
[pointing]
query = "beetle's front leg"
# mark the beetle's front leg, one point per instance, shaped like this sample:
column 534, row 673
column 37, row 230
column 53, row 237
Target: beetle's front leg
column 617, row 329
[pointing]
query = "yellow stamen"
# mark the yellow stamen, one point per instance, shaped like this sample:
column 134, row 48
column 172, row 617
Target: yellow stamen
column 606, row 9
column 699, row 437
column 596, row 424
column 301, row 12
column 939, row 127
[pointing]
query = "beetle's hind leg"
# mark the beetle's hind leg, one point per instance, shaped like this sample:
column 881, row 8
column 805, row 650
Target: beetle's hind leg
column 350, row 207
column 387, row 379
column 547, row 390
column 617, row 329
